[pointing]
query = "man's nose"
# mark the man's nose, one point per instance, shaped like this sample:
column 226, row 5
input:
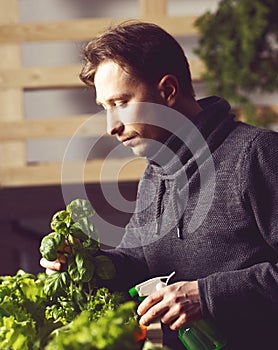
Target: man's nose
column 114, row 124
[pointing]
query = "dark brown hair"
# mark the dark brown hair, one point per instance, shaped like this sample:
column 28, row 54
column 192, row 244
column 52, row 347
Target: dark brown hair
column 144, row 50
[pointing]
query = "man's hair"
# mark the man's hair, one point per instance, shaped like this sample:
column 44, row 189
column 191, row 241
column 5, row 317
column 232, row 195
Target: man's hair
column 144, row 50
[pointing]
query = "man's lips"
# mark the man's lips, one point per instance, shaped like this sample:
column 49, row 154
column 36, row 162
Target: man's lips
column 126, row 140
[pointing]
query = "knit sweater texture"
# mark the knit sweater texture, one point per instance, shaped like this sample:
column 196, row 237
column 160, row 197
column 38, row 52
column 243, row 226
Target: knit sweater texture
column 210, row 213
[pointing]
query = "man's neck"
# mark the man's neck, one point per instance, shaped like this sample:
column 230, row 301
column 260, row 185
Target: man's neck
column 188, row 106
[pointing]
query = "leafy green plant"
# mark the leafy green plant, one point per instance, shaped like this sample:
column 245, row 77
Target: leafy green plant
column 111, row 332
column 75, row 235
column 31, row 320
column 22, row 305
column 37, row 312
column 239, row 45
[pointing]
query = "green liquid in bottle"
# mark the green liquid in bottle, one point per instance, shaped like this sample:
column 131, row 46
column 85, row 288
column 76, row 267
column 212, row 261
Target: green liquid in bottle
column 201, row 335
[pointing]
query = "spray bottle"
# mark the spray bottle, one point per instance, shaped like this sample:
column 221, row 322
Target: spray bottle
column 200, row 335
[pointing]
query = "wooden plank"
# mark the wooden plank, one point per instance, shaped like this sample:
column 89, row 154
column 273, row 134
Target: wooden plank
column 176, row 25
column 59, row 76
column 9, row 11
column 52, row 128
column 11, row 100
column 86, row 29
column 41, row 77
column 197, row 68
column 131, row 169
column 153, row 8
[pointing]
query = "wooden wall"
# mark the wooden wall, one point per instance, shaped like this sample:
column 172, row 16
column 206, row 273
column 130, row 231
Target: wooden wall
column 15, row 129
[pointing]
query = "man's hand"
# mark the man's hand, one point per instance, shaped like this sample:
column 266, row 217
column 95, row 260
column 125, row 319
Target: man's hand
column 175, row 304
column 56, row 265
column 53, row 266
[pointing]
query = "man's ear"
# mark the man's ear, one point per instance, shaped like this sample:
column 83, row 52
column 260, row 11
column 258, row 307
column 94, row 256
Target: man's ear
column 168, row 88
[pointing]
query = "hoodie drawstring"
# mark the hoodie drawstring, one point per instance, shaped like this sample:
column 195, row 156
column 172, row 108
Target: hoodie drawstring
column 176, row 210
column 160, row 193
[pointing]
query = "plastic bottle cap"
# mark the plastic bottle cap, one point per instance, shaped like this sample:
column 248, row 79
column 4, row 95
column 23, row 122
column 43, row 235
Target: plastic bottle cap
column 133, row 292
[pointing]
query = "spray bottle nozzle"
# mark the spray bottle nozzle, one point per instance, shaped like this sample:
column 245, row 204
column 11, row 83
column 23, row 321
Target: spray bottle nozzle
column 147, row 287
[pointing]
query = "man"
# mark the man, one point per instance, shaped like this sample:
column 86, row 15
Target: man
column 207, row 205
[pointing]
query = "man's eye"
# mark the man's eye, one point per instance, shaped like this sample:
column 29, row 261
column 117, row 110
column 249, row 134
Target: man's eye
column 121, row 104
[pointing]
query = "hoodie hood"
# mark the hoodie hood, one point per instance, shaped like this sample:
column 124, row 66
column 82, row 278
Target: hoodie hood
column 207, row 130
column 183, row 154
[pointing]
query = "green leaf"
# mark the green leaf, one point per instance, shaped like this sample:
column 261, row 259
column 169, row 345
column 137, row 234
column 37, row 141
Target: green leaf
column 63, row 311
column 60, row 222
column 79, row 298
column 80, row 208
column 31, row 289
column 85, row 265
column 50, row 244
column 57, row 283
column 81, row 268
column 73, row 270
column 91, row 245
column 82, row 229
column 105, row 268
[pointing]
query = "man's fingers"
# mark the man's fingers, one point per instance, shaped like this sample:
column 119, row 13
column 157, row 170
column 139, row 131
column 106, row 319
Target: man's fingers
column 171, row 315
column 179, row 322
column 190, row 315
column 65, row 248
column 175, row 304
column 61, row 258
column 51, row 265
column 49, row 271
column 147, row 303
column 153, row 313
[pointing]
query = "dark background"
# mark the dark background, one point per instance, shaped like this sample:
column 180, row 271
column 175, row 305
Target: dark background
column 25, row 215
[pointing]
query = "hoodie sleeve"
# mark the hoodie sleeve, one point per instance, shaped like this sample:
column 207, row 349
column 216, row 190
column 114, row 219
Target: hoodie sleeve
column 251, row 293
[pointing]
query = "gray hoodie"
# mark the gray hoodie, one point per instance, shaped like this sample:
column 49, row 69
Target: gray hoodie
column 208, row 210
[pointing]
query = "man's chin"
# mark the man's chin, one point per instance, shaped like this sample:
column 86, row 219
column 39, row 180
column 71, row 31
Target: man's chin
column 145, row 151
column 139, row 152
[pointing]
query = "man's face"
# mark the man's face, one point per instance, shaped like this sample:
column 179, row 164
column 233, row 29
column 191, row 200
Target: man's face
column 134, row 123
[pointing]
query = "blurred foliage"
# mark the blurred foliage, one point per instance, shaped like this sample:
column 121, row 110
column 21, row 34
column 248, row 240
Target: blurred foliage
column 239, row 46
